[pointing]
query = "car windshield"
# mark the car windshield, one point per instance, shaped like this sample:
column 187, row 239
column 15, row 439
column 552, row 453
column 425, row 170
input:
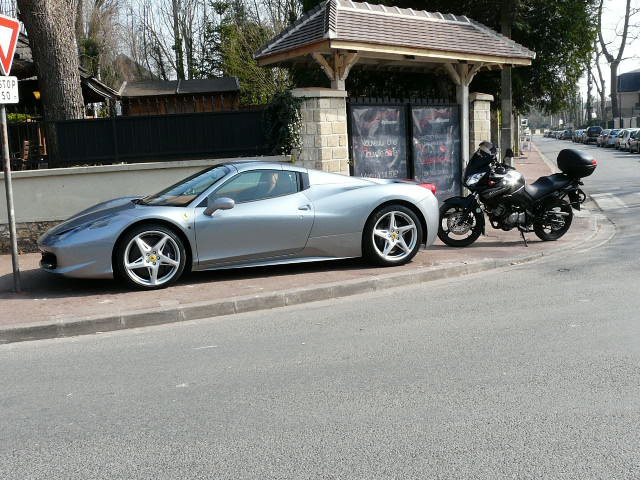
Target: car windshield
column 185, row 191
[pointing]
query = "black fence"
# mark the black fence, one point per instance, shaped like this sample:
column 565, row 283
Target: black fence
column 103, row 141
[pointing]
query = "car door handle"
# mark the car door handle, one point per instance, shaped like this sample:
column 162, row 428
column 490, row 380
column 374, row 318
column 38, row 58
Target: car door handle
column 304, row 207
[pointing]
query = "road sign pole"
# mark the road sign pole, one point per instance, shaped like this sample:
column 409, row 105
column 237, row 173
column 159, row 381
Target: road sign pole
column 9, row 29
column 9, row 192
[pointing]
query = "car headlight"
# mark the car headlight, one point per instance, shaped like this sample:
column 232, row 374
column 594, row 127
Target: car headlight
column 475, row 178
column 92, row 225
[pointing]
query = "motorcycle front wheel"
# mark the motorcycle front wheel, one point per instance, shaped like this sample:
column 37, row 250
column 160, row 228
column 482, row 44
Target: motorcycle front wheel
column 554, row 220
column 458, row 229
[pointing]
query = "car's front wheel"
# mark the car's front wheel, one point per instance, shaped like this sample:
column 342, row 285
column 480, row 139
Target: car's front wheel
column 149, row 257
column 392, row 236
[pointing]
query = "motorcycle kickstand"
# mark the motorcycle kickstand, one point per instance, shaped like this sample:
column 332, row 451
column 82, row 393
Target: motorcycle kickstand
column 524, row 239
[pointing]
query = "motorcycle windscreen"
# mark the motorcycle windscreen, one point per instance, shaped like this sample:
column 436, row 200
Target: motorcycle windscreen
column 436, row 148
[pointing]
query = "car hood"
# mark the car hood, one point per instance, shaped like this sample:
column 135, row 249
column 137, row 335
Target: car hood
column 102, row 210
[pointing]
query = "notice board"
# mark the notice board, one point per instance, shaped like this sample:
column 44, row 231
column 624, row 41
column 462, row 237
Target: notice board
column 379, row 141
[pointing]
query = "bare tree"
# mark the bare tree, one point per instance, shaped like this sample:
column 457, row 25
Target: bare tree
column 98, row 35
column 614, row 61
column 174, row 39
column 589, row 106
column 600, row 85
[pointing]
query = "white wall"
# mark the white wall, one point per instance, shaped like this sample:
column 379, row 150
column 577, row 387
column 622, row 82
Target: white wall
column 55, row 194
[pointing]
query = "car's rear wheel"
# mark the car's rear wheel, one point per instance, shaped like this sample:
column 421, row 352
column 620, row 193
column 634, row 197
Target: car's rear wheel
column 149, row 257
column 392, row 236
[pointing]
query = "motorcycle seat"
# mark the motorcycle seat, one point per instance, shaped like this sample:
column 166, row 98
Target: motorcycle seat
column 545, row 185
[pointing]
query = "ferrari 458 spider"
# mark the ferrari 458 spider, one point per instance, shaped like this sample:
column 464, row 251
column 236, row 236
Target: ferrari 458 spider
column 243, row 214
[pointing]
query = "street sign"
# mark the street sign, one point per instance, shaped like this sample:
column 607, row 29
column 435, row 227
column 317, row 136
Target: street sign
column 9, row 28
column 9, row 90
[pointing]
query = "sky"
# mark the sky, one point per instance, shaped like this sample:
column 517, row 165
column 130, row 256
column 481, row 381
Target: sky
column 612, row 18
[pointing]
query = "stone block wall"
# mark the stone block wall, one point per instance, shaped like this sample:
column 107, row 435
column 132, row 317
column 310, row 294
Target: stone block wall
column 27, row 236
column 479, row 119
column 324, row 130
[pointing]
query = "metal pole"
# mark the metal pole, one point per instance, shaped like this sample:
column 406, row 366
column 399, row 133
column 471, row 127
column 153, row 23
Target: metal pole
column 9, row 192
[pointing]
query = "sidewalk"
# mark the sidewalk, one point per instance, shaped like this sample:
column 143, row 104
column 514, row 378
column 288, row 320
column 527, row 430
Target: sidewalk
column 50, row 306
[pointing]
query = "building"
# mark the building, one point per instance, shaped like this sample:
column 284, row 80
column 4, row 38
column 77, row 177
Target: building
column 161, row 97
column 629, row 99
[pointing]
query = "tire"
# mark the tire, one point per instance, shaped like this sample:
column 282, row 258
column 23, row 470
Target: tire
column 456, row 231
column 392, row 236
column 554, row 220
column 149, row 257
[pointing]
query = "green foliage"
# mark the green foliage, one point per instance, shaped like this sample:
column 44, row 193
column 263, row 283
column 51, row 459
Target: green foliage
column 283, row 123
column 18, row 117
column 90, row 54
column 229, row 49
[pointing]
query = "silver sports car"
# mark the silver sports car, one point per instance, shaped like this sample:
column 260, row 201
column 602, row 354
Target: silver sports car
column 243, row 214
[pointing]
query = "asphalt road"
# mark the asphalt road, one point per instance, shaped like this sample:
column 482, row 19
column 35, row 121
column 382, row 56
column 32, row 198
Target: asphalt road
column 527, row 372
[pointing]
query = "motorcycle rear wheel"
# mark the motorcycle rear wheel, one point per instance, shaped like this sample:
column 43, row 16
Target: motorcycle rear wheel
column 554, row 221
column 457, row 229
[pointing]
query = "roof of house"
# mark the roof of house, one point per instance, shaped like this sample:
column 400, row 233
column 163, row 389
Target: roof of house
column 629, row 82
column 362, row 24
column 93, row 89
column 154, row 88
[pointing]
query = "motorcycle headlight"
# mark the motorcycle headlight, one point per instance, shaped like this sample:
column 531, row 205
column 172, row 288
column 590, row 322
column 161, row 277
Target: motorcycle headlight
column 512, row 177
column 475, row 178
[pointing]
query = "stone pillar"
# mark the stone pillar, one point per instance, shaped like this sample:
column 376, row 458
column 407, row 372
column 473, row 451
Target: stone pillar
column 324, row 130
column 480, row 119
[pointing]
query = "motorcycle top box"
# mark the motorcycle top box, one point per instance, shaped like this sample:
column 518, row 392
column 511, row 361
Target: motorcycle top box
column 576, row 163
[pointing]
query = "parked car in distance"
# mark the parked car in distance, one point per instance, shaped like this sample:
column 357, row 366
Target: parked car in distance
column 602, row 138
column 241, row 214
column 610, row 141
column 592, row 133
column 576, row 135
column 566, row 135
column 623, row 138
column 634, row 141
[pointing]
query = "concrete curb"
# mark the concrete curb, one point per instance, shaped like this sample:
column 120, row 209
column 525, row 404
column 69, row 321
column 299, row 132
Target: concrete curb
column 602, row 230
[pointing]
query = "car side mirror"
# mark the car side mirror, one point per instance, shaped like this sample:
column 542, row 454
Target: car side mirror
column 222, row 203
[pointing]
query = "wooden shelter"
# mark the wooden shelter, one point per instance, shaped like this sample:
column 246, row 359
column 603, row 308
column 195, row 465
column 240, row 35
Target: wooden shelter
column 339, row 34
column 160, row 97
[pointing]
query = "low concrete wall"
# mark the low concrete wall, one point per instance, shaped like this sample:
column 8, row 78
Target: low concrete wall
column 42, row 198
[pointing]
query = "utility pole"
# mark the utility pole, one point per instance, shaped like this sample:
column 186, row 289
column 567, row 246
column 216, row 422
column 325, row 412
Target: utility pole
column 506, row 102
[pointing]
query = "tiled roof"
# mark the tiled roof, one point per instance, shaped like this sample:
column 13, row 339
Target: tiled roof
column 629, row 82
column 344, row 20
column 147, row 88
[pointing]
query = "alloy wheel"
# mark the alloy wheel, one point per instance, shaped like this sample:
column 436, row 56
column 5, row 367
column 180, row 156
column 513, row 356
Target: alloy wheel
column 394, row 236
column 152, row 258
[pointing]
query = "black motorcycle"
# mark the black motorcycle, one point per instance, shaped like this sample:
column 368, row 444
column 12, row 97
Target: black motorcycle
column 501, row 192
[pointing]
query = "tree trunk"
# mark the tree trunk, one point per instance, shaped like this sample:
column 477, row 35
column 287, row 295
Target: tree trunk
column 50, row 27
column 615, row 110
column 177, row 46
column 506, row 100
column 79, row 20
column 589, row 108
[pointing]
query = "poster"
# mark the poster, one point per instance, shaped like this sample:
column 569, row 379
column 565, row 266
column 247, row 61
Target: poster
column 378, row 140
column 436, row 148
